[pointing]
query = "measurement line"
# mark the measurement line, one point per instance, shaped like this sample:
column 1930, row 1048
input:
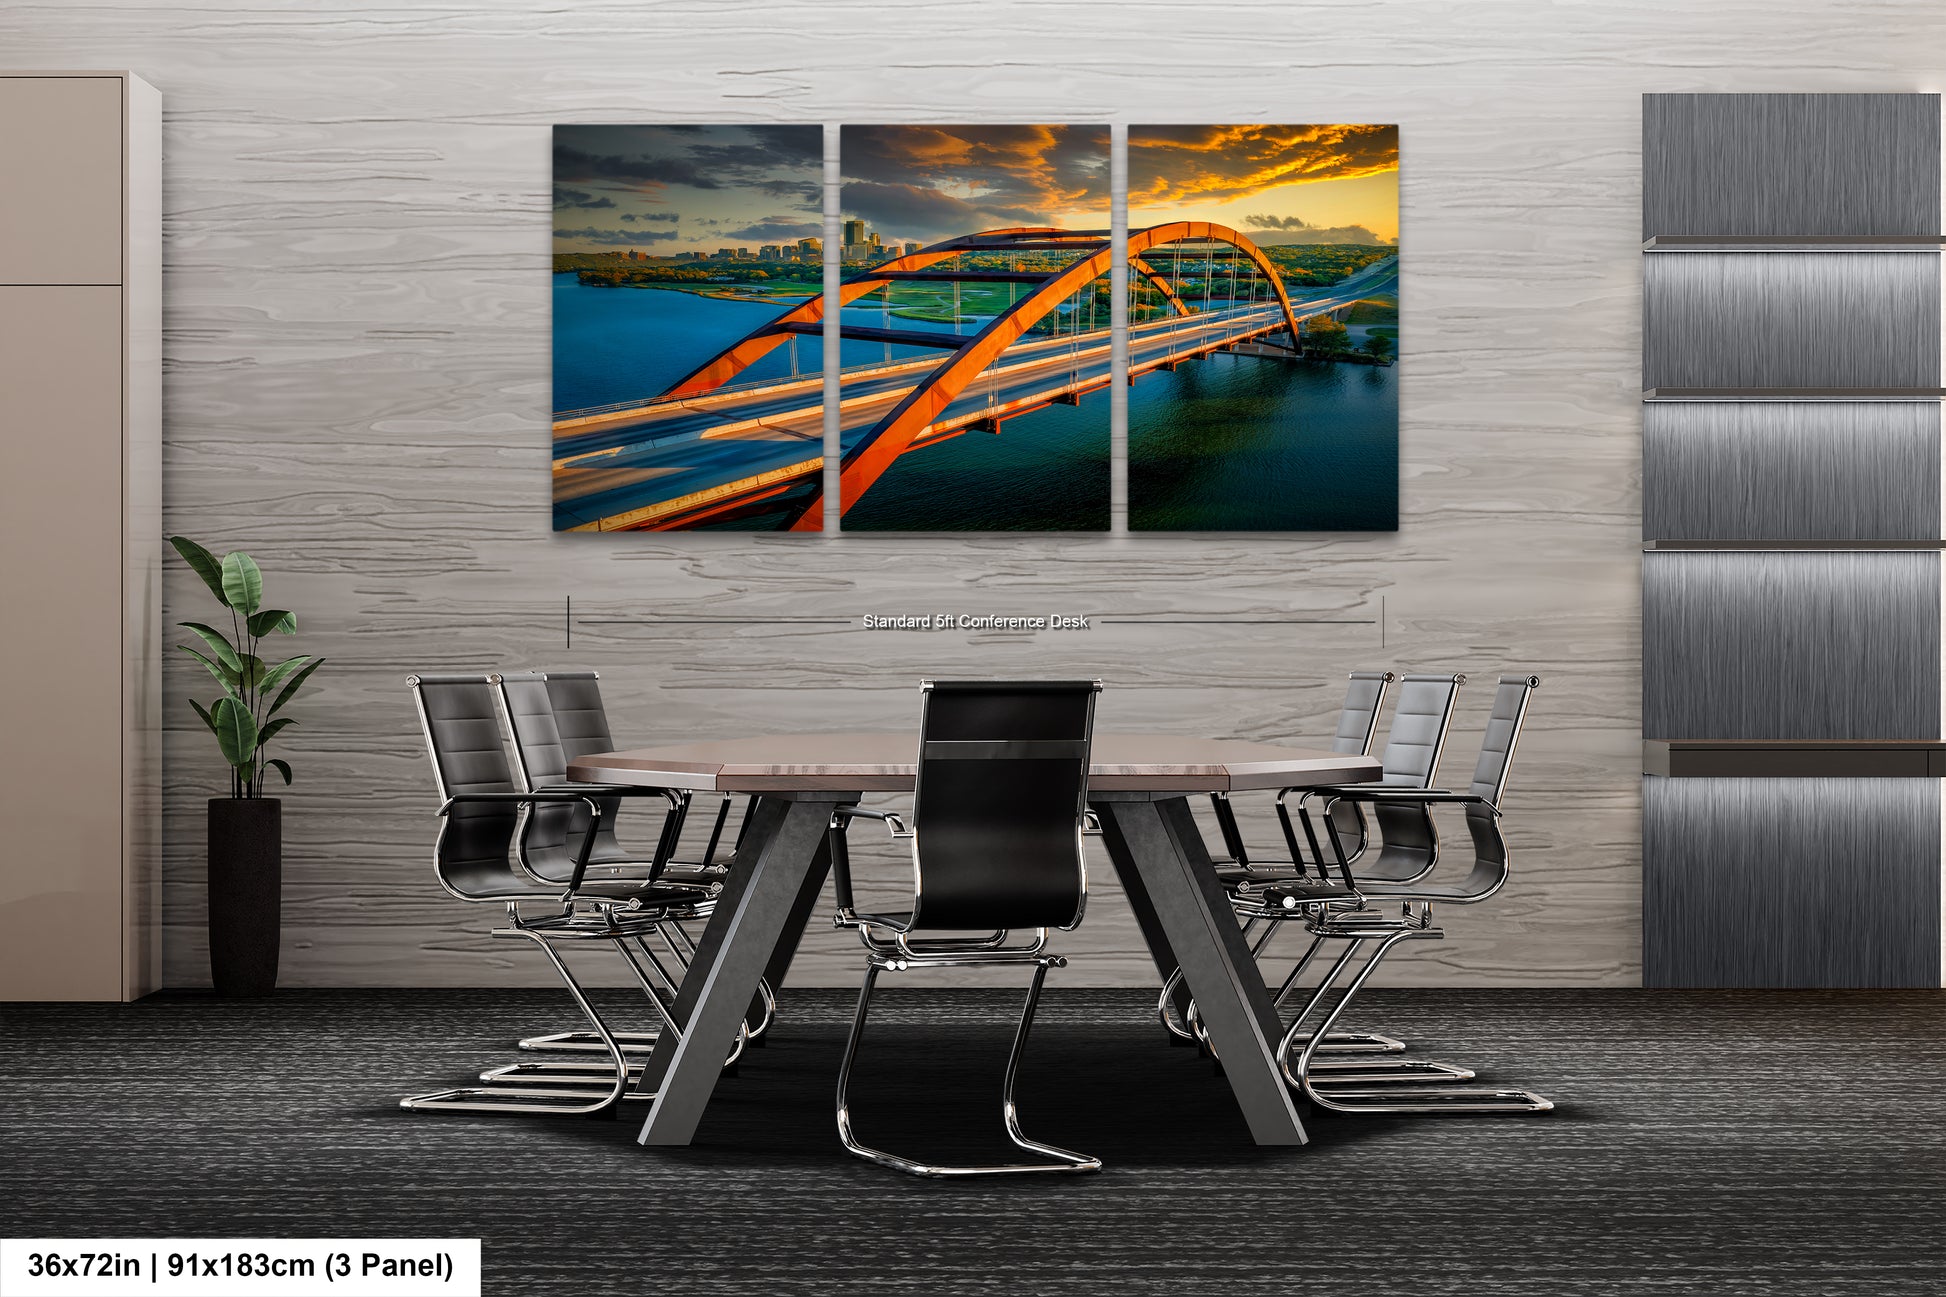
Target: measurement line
column 1239, row 621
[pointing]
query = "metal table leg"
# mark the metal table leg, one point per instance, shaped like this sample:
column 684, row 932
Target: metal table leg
column 757, row 904
column 1172, row 885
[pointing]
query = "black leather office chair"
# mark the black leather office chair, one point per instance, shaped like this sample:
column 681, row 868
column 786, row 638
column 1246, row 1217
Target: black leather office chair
column 555, row 717
column 1414, row 743
column 1358, row 925
column 1357, row 725
column 475, row 860
column 998, row 814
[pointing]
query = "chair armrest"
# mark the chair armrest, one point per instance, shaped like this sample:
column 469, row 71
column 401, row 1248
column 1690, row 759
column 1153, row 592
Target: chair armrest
column 552, row 795
column 891, row 820
column 670, row 795
column 1420, row 796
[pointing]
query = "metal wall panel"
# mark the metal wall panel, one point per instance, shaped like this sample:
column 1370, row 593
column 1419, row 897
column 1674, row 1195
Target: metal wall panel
column 1790, row 645
column 1790, row 164
column 1740, row 319
column 1778, row 471
column 1791, row 882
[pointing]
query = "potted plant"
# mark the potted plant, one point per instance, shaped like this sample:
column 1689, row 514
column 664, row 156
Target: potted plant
column 246, row 849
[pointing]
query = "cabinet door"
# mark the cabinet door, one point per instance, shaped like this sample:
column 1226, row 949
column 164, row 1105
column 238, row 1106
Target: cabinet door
column 60, row 180
column 61, row 656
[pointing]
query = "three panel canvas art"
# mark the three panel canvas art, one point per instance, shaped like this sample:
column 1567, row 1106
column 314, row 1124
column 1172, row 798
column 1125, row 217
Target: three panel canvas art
column 974, row 334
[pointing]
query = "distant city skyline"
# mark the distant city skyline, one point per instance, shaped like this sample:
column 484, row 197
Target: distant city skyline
column 672, row 189
column 1277, row 184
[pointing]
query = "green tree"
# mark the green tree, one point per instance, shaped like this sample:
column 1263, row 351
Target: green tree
column 1378, row 346
column 1324, row 334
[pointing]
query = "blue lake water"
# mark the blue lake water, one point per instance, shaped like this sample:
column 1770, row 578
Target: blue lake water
column 1223, row 443
column 1245, row 443
column 629, row 344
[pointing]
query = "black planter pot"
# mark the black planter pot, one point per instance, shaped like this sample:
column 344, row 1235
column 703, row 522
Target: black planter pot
column 246, row 886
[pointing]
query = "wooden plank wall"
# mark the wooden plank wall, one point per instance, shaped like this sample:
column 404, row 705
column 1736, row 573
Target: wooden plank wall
column 357, row 233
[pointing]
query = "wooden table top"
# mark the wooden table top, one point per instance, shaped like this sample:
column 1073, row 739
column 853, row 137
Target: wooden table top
column 1152, row 763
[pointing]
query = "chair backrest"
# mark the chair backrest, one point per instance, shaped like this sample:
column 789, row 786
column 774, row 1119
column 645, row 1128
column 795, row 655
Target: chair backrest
column 539, row 707
column 579, row 716
column 462, row 731
column 1490, row 856
column 1413, row 746
column 1420, row 721
column 1357, row 725
column 1358, row 719
column 998, row 805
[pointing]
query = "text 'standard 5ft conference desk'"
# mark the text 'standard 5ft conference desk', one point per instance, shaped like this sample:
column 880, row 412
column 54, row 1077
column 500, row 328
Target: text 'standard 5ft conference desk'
column 1139, row 784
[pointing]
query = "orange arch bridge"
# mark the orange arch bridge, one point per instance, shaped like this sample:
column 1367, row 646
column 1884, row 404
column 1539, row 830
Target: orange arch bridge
column 1092, row 252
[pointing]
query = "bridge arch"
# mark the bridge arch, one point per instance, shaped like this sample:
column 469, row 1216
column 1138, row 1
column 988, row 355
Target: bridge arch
column 876, row 452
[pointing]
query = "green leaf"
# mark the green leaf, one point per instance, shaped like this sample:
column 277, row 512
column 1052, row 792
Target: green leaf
column 295, row 681
column 205, row 564
column 203, row 712
column 273, row 619
column 251, row 672
column 283, row 768
column 224, row 676
column 236, row 731
column 270, row 678
column 243, row 583
column 269, row 731
column 218, row 642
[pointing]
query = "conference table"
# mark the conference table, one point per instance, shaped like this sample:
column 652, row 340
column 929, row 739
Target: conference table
column 1139, row 785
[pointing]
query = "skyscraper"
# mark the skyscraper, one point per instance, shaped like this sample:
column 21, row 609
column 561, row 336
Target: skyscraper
column 854, row 233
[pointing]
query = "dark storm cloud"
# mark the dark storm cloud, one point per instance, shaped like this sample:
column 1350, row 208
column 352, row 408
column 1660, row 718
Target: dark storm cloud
column 572, row 164
column 777, row 229
column 593, row 235
column 915, row 211
column 575, row 198
column 1271, row 231
column 934, row 181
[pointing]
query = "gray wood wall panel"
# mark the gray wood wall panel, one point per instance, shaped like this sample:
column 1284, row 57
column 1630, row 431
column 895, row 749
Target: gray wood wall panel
column 1790, row 645
column 1780, row 471
column 1791, row 882
column 1747, row 164
column 1739, row 319
column 357, row 340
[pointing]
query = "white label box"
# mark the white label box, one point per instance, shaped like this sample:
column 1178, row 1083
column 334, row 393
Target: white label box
column 239, row 1267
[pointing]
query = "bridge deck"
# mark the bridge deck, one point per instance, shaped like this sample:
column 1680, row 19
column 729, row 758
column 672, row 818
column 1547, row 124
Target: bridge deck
column 666, row 459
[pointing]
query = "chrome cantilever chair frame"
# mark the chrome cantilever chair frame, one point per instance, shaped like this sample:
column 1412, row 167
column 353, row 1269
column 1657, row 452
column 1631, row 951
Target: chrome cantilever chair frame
column 531, row 705
column 1357, row 725
column 892, row 942
column 476, row 863
column 1358, row 926
column 1408, row 839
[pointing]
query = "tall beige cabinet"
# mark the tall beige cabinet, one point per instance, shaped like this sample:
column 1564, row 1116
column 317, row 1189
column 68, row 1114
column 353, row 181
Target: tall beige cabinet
column 81, row 534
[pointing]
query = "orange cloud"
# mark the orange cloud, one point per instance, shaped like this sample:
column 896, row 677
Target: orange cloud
column 1181, row 164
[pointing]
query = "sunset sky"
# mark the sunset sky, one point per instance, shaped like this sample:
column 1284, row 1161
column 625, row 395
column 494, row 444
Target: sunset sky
column 925, row 183
column 1278, row 184
column 668, row 189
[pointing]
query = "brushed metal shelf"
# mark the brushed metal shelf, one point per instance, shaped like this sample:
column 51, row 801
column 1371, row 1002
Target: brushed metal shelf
column 1885, row 546
column 1794, row 758
column 1794, row 393
column 1795, row 243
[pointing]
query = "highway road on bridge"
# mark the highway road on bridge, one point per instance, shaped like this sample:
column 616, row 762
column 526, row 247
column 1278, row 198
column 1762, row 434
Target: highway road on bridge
column 633, row 467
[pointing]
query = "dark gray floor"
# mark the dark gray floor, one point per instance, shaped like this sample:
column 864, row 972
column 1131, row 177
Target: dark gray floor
column 1711, row 1143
